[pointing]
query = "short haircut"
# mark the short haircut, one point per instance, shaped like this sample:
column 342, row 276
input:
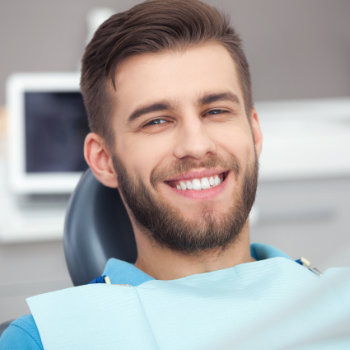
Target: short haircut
column 151, row 27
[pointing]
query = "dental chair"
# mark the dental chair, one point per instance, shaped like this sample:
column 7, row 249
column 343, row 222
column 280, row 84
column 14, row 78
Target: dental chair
column 96, row 228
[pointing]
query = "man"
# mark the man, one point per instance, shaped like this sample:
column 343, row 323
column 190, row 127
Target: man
column 167, row 90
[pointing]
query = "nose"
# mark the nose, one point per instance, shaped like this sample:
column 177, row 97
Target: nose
column 193, row 140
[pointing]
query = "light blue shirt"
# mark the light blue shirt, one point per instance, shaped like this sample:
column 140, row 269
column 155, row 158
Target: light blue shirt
column 273, row 303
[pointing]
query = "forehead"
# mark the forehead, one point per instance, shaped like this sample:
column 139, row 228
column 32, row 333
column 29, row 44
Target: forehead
column 178, row 76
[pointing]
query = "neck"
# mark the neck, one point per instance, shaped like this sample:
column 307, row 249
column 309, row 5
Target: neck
column 165, row 264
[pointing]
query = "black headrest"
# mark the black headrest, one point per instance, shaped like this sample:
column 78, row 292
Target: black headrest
column 97, row 227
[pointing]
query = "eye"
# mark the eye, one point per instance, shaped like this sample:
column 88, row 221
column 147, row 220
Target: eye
column 158, row 121
column 156, row 125
column 215, row 111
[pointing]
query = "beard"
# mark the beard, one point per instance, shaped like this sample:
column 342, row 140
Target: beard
column 167, row 226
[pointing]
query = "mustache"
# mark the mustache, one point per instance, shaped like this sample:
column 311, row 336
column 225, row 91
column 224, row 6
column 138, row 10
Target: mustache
column 181, row 166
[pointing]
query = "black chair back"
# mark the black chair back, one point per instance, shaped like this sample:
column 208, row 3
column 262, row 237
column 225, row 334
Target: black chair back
column 97, row 227
column 3, row 326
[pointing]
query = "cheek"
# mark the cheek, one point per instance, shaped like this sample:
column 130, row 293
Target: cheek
column 142, row 155
column 236, row 141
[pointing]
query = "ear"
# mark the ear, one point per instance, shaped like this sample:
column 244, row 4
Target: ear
column 99, row 159
column 256, row 130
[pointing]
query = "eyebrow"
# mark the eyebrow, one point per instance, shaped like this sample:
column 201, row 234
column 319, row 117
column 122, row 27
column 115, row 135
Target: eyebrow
column 224, row 96
column 155, row 107
column 162, row 106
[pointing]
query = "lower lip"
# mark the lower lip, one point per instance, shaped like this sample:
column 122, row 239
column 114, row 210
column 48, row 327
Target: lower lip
column 202, row 194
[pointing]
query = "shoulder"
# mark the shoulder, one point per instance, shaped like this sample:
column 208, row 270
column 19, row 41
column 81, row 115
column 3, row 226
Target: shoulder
column 21, row 334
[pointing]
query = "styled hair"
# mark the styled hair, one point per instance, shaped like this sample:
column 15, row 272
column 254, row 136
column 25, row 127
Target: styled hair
column 149, row 27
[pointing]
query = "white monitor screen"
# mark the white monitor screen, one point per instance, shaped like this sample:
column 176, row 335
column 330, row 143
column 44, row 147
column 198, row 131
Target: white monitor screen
column 47, row 127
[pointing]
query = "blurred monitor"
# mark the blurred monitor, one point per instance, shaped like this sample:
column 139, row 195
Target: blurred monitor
column 47, row 127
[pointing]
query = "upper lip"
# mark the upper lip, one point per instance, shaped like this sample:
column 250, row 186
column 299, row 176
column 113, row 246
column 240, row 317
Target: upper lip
column 197, row 174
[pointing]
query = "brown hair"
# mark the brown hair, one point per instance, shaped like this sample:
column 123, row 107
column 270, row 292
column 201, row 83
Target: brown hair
column 151, row 26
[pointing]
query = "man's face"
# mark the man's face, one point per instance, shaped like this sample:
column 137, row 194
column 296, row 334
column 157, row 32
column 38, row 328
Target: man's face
column 184, row 149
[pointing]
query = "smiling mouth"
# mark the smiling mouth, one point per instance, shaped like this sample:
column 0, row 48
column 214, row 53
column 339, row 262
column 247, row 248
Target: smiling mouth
column 200, row 183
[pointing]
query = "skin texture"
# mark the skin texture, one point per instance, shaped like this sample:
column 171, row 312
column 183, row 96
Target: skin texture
column 174, row 111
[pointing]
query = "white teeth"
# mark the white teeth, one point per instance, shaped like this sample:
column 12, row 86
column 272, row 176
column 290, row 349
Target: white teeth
column 182, row 185
column 205, row 183
column 200, row 184
column 217, row 180
column 211, row 181
column 196, row 184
